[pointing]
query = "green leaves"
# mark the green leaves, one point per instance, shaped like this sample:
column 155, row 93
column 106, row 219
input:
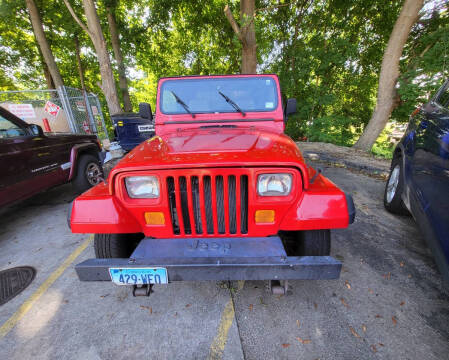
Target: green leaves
column 326, row 53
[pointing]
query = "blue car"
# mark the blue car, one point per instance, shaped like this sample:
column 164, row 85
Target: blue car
column 419, row 177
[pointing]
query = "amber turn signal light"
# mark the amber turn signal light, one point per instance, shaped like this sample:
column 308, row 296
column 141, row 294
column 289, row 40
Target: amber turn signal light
column 154, row 218
column 264, row 216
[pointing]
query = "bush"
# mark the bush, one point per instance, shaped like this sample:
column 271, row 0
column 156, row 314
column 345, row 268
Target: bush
column 383, row 147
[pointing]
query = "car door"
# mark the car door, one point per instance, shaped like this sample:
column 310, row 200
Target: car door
column 437, row 191
column 430, row 165
column 423, row 149
column 14, row 160
column 48, row 156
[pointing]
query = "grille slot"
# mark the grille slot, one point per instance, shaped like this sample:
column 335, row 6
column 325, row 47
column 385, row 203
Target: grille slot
column 232, row 205
column 200, row 204
column 208, row 204
column 244, row 204
column 172, row 204
column 184, row 204
column 220, row 204
column 196, row 204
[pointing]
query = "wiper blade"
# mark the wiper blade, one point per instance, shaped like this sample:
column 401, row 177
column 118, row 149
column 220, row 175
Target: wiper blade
column 233, row 104
column 183, row 104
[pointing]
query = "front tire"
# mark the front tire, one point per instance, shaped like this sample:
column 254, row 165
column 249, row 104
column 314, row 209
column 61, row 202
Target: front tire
column 307, row 242
column 89, row 172
column 109, row 246
column 315, row 243
column 394, row 188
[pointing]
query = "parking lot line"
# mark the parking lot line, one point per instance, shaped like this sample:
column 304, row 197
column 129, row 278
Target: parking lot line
column 219, row 343
column 28, row 304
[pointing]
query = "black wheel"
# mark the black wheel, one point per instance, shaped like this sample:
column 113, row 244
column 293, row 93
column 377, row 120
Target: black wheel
column 394, row 188
column 115, row 245
column 89, row 172
column 315, row 243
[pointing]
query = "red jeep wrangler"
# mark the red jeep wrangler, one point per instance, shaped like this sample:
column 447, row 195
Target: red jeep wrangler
column 220, row 193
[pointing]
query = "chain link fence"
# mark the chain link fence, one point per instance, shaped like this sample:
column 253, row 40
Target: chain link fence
column 65, row 110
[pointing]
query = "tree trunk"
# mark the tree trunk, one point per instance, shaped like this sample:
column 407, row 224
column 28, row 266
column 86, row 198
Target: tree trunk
column 47, row 75
column 48, row 78
column 246, row 33
column 38, row 29
column 107, row 77
column 79, row 63
column 389, row 73
column 249, row 50
column 115, row 41
column 95, row 33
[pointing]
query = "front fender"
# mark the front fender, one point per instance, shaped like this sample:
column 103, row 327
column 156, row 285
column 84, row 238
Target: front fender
column 322, row 206
column 96, row 211
column 74, row 155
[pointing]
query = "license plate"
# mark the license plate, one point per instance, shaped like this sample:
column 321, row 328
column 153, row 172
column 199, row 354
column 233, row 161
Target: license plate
column 138, row 276
column 145, row 128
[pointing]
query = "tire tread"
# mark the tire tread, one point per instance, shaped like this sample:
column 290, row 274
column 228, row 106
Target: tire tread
column 315, row 243
column 115, row 245
column 80, row 182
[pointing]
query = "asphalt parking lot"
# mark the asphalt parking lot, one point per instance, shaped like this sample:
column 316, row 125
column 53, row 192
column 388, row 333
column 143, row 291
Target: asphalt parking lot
column 389, row 303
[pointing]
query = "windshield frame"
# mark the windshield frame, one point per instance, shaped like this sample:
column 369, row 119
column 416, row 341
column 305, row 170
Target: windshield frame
column 273, row 77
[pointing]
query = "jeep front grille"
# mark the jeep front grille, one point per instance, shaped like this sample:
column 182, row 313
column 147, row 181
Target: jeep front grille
column 209, row 204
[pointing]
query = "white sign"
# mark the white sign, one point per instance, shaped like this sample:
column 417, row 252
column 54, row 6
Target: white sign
column 145, row 128
column 94, row 110
column 23, row 111
column 80, row 106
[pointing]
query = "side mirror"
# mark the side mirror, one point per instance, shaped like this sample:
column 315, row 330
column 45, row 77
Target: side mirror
column 36, row 130
column 145, row 111
column 290, row 107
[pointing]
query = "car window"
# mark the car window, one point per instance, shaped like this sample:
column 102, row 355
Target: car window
column 443, row 99
column 8, row 129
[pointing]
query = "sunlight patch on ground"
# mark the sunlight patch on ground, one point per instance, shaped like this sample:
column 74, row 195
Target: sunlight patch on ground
column 38, row 319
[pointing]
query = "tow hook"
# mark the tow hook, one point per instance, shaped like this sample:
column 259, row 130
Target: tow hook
column 278, row 287
column 142, row 290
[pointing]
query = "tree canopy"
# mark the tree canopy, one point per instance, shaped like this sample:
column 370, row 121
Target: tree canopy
column 327, row 53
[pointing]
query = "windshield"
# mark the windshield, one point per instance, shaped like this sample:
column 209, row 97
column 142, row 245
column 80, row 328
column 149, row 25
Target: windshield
column 218, row 95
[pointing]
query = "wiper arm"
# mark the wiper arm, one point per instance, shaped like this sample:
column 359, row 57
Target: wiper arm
column 233, row 104
column 183, row 104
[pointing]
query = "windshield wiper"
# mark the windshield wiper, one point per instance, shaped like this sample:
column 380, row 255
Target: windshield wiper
column 183, row 104
column 233, row 104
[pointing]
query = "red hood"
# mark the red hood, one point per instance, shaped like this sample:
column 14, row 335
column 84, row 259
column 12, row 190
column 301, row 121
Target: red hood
column 213, row 147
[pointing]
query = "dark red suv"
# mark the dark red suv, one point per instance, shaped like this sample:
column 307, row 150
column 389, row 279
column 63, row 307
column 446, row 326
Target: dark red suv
column 31, row 161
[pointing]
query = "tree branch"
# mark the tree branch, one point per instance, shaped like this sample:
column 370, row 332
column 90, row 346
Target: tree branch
column 76, row 18
column 274, row 7
column 232, row 21
column 241, row 32
column 302, row 10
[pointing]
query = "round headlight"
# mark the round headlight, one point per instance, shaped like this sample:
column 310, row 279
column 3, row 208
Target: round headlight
column 274, row 184
column 142, row 187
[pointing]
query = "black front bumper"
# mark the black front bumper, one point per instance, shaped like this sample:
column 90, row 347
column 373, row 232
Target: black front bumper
column 216, row 259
